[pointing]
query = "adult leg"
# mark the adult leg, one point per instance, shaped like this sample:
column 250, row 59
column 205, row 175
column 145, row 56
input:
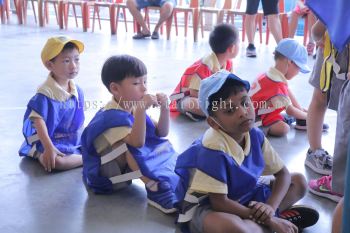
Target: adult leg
column 275, row 27
column 250, row 27
column 135, row 12
column 270, row 8
column 293, row 24
column 315, row 117
column 165, row 12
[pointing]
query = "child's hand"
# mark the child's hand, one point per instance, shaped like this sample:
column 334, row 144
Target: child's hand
column 279, row 225
column 162, row 100
column 48, row 158
column 260, row 212
column 149, row 100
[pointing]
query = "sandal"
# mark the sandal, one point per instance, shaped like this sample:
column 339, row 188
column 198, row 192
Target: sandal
column 139, row 36
column 310, row 48
column 155, row 36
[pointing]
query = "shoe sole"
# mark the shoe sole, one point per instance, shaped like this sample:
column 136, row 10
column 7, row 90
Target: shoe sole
column 299, row 127
column 308, row 210
column 251, row 55
column 317, row 170
column 325, row 195
column 156, row 205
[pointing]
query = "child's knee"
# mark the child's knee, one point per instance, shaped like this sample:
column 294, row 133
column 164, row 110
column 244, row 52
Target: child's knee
column 300, row 183
column 279, row 129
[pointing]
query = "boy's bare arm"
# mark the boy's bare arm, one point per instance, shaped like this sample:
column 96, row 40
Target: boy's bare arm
column 50, row 151
column 280, row 188
column 221, row 203
column 294, row 100
column 164, row 117
column 137, row 136
column 297, row 113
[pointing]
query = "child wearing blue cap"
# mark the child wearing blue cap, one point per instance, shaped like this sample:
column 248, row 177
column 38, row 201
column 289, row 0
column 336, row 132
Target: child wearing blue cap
column 54, row 118
column 270, row 93
column 224, row 43
column 220, row 188
column 122, row 142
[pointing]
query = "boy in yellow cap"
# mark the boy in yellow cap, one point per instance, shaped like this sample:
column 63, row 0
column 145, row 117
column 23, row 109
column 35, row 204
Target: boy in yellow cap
column 54, row 117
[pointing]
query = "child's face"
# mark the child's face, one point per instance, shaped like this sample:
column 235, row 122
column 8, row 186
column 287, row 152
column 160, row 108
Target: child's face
column 65, row 66
column 236, row 114
column 292, row 70
column 131, row 88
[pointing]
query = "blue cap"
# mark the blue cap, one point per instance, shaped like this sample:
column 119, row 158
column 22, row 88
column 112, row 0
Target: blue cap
column 295, row 52
column 211, row 85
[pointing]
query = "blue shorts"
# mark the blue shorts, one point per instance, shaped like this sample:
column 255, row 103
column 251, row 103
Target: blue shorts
column 146, row 3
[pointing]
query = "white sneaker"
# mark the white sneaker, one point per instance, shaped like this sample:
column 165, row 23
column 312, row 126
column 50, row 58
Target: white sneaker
column 319, row 161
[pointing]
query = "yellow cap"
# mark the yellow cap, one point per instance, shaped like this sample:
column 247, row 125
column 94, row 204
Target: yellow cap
column 54, row 46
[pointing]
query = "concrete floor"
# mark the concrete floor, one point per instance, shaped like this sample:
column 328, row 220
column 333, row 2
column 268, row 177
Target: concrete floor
column 33, row 201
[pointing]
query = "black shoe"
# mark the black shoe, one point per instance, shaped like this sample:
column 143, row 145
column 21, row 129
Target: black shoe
column 301, row 216
column 301, row 125
column 251, row 51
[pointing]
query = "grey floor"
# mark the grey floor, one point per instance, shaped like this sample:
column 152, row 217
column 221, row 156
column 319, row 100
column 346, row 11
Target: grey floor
column 33, row 201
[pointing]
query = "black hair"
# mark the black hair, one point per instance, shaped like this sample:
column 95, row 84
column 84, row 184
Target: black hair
column 117, row 68
column 230, row 87
column 223, row 36
column 68, row 46
column 278, row 55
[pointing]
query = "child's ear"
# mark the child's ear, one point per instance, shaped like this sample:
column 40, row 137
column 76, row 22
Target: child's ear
column 212, row 123
column 114, row 87
column 48, row 65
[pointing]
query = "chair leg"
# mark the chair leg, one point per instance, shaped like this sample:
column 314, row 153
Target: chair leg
column 98, row 17
column 55, row 7
column 306, row 29
column 24, row 11
column 243, row 28
column 65, row 14
column 47, row 12
column 2, row 14
column 186, row 23
column 117, row 18
column 168, row 24
column 126, row 23
column 201, row 22
column 34, row 12
column 175, row 22
column 267, row 33
column 93, row 19
column 75, row 15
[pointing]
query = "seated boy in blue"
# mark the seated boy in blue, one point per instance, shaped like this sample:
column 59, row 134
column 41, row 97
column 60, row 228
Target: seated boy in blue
column 122, row 142
column 53, row 121
column 220, row 173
